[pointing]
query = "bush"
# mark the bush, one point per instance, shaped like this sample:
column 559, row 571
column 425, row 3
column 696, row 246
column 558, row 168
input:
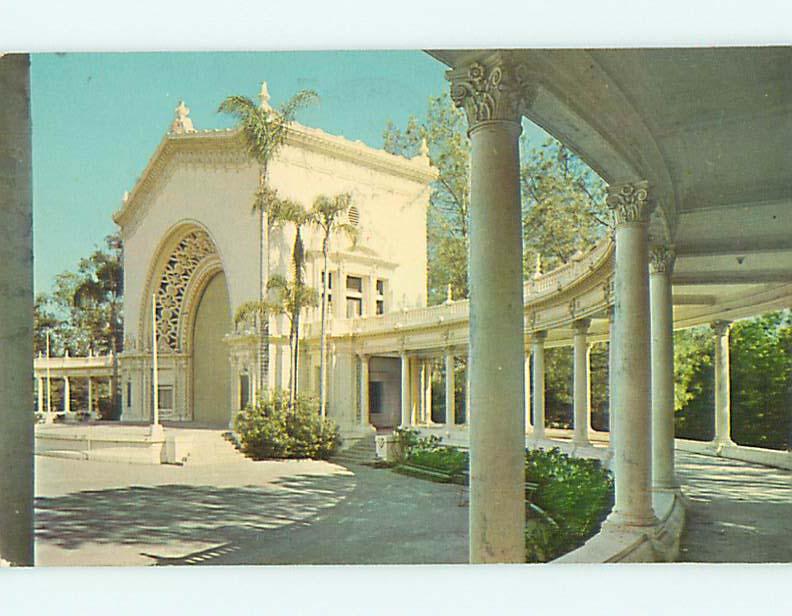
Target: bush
column 573, row 497
column 272, row 429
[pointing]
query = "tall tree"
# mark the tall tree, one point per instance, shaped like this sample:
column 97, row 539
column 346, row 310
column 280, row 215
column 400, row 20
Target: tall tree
column 564, row 211
column 444, row 130
column 98, row 299
column 265, row 130
column 327, row 214
column 293, row 295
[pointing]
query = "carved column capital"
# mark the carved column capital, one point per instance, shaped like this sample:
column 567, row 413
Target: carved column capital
column 661, row 259
column 720, row 327
column 539, row 336
column 581, row 326
column 498, row 89
column 630, row 202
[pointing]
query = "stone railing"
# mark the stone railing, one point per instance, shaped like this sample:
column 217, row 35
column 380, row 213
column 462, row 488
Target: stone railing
column 98, row 363
column 534, row 290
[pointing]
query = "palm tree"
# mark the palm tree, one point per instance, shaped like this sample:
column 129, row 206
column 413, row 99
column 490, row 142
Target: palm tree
column 264, row 130
column 327, row 214
column 104, row 286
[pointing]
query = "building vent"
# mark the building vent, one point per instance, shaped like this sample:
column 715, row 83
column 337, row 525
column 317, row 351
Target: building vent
column 354, row 216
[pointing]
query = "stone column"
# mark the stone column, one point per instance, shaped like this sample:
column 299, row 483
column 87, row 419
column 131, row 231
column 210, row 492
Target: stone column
column 494, row 97
column 405, row 390
column 611, row 381
column 415, row 391
column 632, row 352
column 581, row 388
column 364, row 391
column 538, row 389
column 427, row 397
column 661, row 265
column 40, row 395
column 722, row 384
column 90, row 398
column 527, row 377
column 16, row 308
column 66, row 395
column 450, row 392
column 467, row 391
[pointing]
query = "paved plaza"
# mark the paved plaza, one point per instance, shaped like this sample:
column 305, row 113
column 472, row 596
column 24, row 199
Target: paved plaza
column 737, row 512
column 244, row 512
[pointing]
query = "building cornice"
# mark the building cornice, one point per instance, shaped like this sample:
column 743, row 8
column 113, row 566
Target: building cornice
column 226, row 148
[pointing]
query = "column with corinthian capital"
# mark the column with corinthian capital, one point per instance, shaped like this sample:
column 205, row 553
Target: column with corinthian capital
column 631, row 367
column 722, row 384
column 581, row 390
column 494, row 94
column 661, row 265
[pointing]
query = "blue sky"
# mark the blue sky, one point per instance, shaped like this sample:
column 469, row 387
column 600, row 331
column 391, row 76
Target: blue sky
column 97, row 118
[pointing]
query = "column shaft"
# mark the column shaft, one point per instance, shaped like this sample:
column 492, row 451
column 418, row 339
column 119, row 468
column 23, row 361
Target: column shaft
column 40, row 394
column 611, row 380
column 450, row 392
column 497, row 445
column 66, row 395
column 364, row 391
column 527, row 377
column 722, row 384
column 581, row 389
column 16, row 308
column 428, row 392
column 632, row 457
column 405, row 390
column 662, row 369
column 538, row 389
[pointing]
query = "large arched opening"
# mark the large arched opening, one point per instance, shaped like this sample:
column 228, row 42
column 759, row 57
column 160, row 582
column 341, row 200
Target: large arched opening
column 210, row 357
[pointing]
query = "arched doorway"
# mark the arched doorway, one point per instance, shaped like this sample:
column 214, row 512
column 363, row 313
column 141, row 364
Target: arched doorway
column 211, row 381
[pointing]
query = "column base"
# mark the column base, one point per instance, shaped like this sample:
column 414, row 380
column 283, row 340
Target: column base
column 619, row 522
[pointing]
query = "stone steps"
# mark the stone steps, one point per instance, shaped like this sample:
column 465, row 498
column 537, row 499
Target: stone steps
column 363, row 451
column 210, row 447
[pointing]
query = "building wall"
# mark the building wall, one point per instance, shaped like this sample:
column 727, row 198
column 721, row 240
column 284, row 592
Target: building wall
column 188, row 185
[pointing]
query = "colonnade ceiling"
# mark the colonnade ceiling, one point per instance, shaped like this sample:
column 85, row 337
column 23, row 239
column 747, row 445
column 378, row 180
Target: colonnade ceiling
column 709, row 128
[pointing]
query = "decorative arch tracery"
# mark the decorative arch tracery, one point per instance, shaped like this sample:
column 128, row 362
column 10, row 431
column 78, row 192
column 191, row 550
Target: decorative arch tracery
column 171, row 293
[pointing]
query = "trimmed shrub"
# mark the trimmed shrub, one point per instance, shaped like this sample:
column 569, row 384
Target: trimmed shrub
column 272, row 429
column 567, row 501
column 573, row 497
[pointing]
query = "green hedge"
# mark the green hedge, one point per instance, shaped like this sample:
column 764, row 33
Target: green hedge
column 568, row 500
column 272, row 429
column 573, row 497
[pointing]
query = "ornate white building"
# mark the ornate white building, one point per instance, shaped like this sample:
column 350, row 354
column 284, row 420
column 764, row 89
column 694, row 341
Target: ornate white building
column 193, row 241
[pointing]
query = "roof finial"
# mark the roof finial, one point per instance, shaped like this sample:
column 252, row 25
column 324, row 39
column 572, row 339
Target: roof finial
column 449, row 294
column 182, row 123
column 538, row 270
column 264, row 97
column 423, row 151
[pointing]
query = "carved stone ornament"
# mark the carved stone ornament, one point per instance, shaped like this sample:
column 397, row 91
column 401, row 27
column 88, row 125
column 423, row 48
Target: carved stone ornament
column 581, row 326
column 661, row 259
column 181, row 265
column 630, row 202
column 501, row 91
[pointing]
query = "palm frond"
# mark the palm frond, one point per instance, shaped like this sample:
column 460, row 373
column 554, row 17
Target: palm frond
column 250, row 311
